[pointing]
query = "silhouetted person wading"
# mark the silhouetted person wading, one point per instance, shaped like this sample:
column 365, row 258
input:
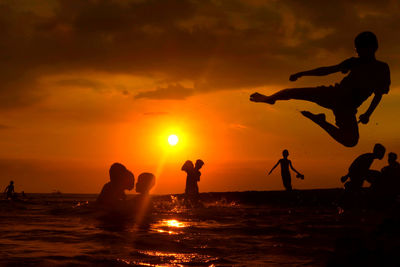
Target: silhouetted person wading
column 113, row 192
column 388, row 187
column 9, row 191
column 192, row 178
column 367, row 75
column 285, row 172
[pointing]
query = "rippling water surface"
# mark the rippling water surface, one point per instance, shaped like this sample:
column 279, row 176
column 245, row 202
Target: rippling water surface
column 227, row 230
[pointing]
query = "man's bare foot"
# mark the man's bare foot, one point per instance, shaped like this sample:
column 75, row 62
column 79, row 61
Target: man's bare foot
column 256, row 97
column 317, row 118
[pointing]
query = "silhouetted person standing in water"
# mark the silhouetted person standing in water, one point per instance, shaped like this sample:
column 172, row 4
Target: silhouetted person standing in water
column 9, row 191
column 121, row 179
column 285, row 172
column 192, row 178
column 359, row 170
column 388, row 186
column 145, row 183
column 392, row 171
column 367, row 75
column 188, row 167
column 196, row 173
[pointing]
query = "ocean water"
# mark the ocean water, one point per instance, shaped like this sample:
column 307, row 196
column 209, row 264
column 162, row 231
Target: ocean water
column 248, row 229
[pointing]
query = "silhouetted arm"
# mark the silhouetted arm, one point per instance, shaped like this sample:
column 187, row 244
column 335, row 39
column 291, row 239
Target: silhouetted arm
column 316, row 72
column 293, row 169
column 364, row 118
column 344, row 178
column 273, row 168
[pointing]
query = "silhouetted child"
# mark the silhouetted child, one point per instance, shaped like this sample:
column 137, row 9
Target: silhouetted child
column 285, row 172
column 143, row 204
column 367, row 75
column 393, row 169
column 389, row 185
column 196, row 173
column 359, row 170
column 192, row 178
column 188, row 167
column 121, row 179
column 9, row 191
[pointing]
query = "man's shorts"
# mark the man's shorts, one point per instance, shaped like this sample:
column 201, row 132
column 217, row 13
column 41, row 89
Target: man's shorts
column 339, row 101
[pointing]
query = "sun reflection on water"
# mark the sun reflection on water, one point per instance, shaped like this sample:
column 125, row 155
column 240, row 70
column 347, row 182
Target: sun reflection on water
column 178, row 258
column 167, row 226
column 174, row 223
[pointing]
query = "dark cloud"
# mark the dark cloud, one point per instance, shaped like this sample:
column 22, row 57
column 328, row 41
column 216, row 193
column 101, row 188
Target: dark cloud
column 176, row 91
column 218, row 44
column 85, row 83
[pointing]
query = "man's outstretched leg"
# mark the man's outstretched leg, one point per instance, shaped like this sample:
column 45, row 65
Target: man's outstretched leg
column 346, row 133
column 318, row 95
column 257, row 97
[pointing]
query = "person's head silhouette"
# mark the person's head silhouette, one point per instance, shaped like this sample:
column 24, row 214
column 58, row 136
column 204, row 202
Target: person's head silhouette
column 11, row 182
column 121, row 177
column 379, row 151
column 366, row 44
column 187, row 166
column 199, row 164
column 285, row 153
column 117, row 170
column 145, row 183
column 392, row 157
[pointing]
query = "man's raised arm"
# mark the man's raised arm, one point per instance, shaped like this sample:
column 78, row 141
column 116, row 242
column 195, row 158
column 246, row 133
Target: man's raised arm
column 364, row 118
column 316, row 72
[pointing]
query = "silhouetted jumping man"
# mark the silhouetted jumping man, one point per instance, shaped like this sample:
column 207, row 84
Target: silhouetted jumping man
column 359, row 170
column 9, row 191
column 285, row 172
column 367, row 75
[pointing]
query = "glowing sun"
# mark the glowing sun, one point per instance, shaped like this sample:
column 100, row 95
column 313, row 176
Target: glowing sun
column 173, row 139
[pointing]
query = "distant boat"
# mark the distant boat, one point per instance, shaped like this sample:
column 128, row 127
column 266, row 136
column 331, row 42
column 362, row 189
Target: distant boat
column 56, row 192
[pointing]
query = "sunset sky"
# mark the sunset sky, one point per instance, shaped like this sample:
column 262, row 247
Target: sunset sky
column 88, row 83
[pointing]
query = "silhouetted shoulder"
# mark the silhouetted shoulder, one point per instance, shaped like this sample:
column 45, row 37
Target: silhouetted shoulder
column 361, row 163
column 348, row 64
